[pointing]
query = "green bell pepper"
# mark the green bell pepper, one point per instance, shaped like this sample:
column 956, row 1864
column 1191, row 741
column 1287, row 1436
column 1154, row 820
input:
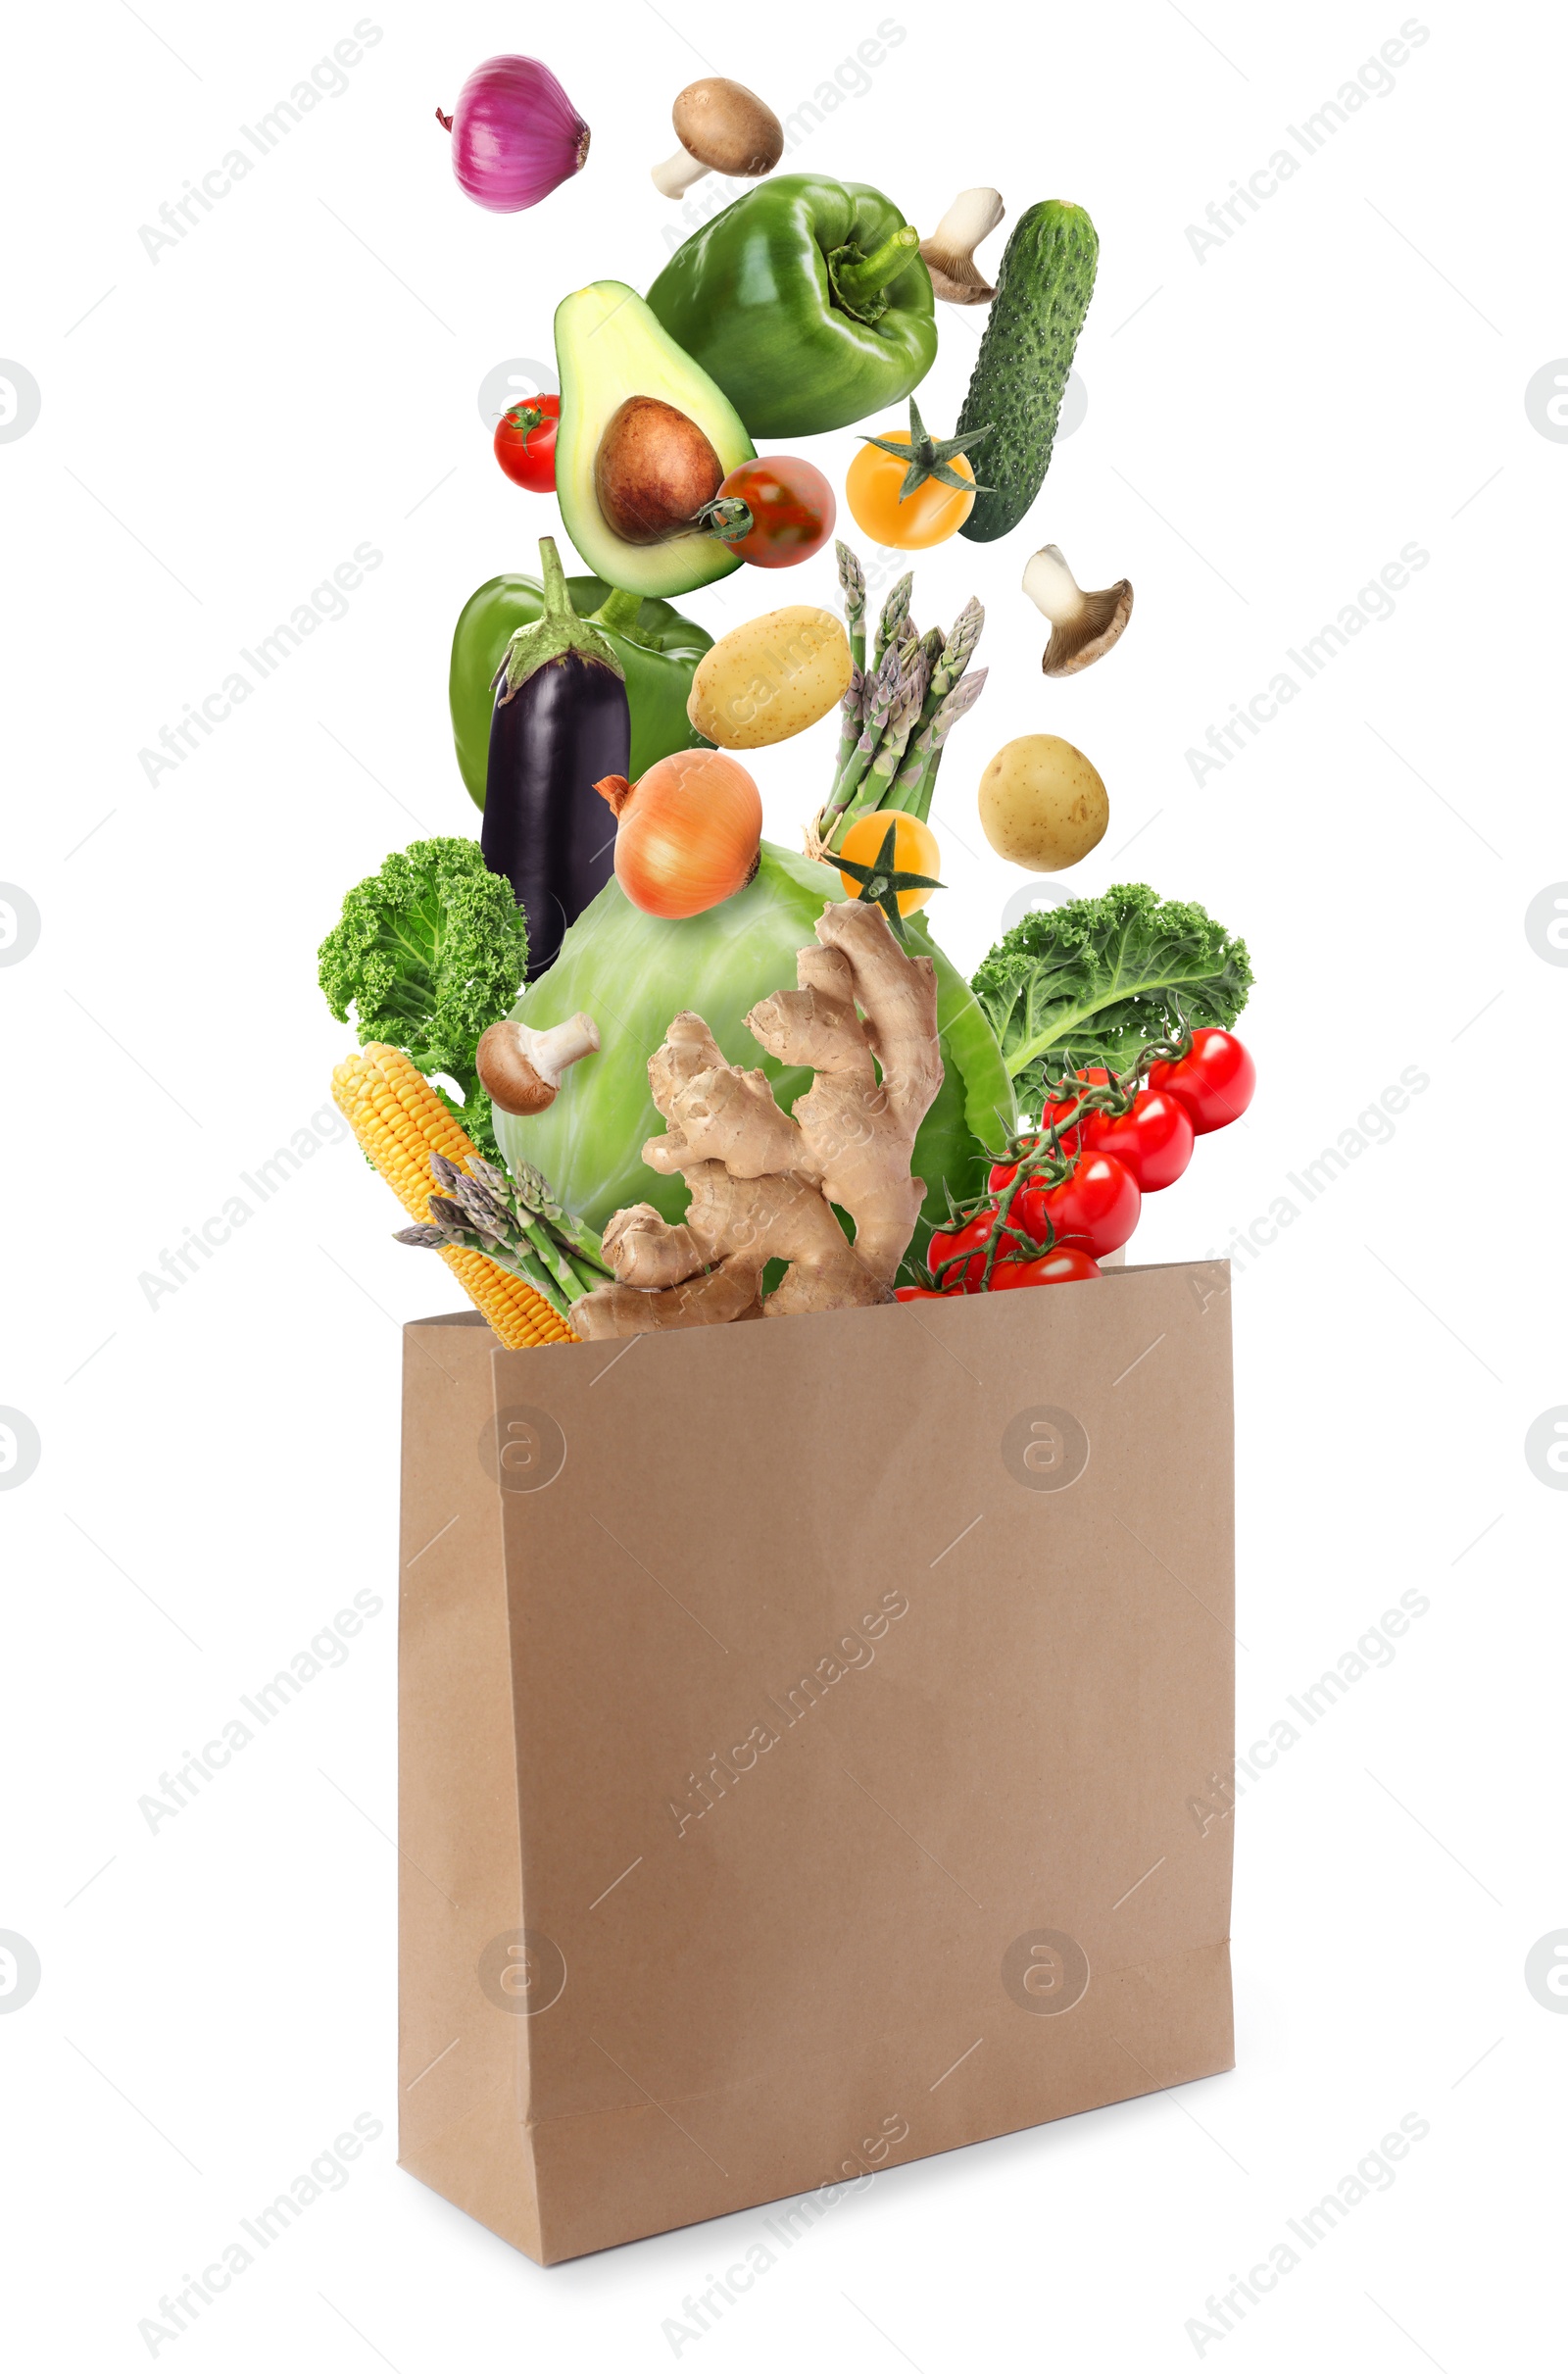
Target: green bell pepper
column 656, row 647
column 807, row 299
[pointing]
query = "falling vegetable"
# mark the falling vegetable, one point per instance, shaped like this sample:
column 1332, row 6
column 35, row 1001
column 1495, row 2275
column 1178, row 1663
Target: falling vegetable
column 912, row 490
column 1042, row 803
column 1096, row 979
column 888, row 861
column 897, row 714
column 560, row 720
column 687, row 832
column 516, row 136
column 428, row 953
column 764, row 1184
column 1083, row 625
column 637, row 415
column 521, row 1070
column 656, row 648
column 773, row 512
column 401, row 1124
column 806, row 301
column 949, row 253
column 722, row 129
column 525, row 443
column 770, row 678
column 1044, row 286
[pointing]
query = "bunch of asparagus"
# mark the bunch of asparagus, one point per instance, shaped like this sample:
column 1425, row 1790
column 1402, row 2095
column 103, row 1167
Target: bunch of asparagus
column 899, row 712
column 516, row 1224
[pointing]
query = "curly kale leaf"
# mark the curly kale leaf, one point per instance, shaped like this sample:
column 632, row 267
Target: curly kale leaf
column 1094, row 980
column 429, row 952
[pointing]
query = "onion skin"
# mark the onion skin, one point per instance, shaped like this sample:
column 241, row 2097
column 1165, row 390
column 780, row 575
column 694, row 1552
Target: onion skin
column 516, row 136
column 687, row 832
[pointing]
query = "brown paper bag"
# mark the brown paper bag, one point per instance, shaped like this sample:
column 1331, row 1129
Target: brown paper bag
column 798, row 1727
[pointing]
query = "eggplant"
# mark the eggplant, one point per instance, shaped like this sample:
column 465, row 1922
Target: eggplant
column 560, row 723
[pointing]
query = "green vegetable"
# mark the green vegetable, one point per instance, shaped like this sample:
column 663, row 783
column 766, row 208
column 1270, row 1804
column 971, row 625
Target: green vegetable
column 1042, row 292
column 429, row 952
column 807, row 302
column 1092, row 981
column 632, row 973
column 658, row 650
column 608, row 348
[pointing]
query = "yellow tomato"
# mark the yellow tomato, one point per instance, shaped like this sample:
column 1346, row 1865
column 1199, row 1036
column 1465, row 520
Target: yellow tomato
column 914, row 851
column 929, row 515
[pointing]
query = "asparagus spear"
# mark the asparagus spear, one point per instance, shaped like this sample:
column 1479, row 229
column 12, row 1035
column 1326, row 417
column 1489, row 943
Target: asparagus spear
column 852, row 584
column 917, row 778
column 894, row 615
column 903, row 715
column 878, row 700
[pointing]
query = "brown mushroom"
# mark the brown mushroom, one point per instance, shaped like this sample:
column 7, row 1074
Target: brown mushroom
column 1083, row 625
column 949, row 253
column 521, row 1069
column 722, row 129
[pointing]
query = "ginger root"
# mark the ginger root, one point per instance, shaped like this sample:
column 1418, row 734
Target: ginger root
column 763, row 1183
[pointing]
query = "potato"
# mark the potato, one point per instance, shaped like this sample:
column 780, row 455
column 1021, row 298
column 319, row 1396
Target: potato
column 1042, row 804
column 770, row 678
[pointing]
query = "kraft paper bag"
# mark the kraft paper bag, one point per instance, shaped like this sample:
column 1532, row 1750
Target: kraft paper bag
column 799, row 1728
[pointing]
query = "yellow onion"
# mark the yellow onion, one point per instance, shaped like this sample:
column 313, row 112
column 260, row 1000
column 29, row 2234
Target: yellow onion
column 687, row 832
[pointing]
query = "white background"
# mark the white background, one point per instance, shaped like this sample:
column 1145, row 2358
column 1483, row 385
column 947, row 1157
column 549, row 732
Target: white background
column 1266, row 428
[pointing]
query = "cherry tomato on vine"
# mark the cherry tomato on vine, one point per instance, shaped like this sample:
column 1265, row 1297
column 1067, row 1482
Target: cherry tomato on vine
column 792, row 507
column 1096, row 1205
column 1062, row 1266
column 972, row 1238
column 917, row 1294
column 525, row 443
column 1070, row 1140
column 1215, row 1083
column 1153, row 1139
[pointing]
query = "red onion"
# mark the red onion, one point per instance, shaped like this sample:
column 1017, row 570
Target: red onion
column 516, row 136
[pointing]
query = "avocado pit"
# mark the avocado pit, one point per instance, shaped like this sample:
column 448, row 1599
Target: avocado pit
column 653, row 471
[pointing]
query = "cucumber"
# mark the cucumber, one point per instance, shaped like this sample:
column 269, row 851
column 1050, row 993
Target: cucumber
column 1042, row 292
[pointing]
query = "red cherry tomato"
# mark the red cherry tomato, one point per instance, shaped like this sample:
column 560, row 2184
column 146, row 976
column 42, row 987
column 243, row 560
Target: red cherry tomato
column 1215, row 1083
column 1097, row 1205
column 1062, row 1266
column 1153, row 1139
column 972, row 1238
column 917, row 1294
column 791, row 510
column 1069, row 1141
column 525, row 443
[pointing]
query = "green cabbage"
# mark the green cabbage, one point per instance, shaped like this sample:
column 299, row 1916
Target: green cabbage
column 632, row 973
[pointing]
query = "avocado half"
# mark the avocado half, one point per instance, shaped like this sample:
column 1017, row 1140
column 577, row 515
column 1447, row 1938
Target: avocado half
column 609, row 346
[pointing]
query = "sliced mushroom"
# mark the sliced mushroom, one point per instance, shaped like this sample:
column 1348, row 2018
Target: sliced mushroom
column 722, row 129
column 521, row 1069
column 1083, row 625
column 950, row 251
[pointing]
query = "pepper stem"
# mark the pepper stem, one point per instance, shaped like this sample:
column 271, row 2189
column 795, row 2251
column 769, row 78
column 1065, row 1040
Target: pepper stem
column 858, row 280
column 619, row 611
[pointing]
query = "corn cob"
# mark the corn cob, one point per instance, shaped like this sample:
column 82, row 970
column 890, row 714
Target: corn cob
column 400, row 1121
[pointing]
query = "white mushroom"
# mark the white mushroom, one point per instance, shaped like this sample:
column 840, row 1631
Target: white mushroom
column 1083, row 625
column 521, row 1069
column 722, row 129
column 950, row 251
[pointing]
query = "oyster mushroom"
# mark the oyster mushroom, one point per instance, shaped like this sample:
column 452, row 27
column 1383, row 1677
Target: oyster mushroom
column 949, row 253
column 1083, row 625
column 722, row 129
column 521, row 1069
